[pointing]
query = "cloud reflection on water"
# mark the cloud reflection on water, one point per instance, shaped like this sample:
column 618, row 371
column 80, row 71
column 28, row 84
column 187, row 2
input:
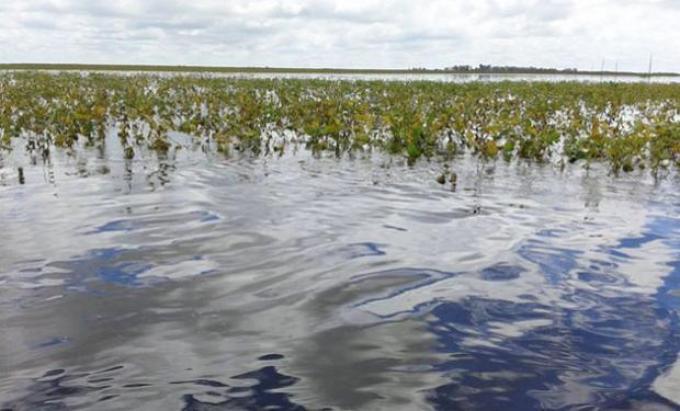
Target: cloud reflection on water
column 560, row 292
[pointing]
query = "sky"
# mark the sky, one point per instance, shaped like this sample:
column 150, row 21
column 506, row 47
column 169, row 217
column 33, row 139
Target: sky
column 345, row 34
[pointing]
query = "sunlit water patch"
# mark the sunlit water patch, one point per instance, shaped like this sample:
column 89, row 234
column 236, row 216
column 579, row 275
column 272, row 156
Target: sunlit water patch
column 199, row 282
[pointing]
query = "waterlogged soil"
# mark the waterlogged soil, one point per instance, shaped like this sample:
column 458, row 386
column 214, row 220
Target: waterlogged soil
column 196, row 281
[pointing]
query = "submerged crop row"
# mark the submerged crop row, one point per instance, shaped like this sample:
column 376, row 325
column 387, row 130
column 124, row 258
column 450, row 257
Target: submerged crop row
column 628, row 125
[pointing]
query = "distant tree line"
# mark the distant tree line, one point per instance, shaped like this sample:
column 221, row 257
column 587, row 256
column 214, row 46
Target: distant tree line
column 488, row 68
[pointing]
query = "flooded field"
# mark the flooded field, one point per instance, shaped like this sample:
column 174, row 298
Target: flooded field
column 302, row 282
column 220, row 272
column 358, row 75
column 458, row 77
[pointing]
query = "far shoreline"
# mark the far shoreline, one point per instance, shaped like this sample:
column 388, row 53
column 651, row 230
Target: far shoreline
column 299, row 70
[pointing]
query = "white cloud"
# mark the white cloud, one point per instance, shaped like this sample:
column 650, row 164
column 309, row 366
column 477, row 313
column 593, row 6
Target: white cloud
column 325, row 33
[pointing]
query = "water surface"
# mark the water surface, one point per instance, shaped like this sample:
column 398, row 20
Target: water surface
column 198, row 282
column 415, row 76
column 463, row 77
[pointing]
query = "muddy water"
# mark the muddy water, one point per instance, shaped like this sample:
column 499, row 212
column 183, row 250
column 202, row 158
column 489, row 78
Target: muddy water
column 202, row 283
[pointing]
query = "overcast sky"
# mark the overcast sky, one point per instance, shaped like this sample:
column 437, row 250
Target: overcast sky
column 361, row 33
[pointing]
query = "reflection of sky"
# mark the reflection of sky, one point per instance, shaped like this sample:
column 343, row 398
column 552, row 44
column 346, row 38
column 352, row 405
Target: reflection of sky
column 361, row 285
column 570, row 323
column 668, row 298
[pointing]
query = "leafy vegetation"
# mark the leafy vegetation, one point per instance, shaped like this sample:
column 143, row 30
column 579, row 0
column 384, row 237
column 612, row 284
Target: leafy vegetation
column 629, row 125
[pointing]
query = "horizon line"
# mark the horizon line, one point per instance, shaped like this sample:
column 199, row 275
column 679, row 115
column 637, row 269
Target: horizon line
column 456, row 69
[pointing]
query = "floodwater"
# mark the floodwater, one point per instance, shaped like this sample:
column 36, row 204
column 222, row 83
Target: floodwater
column 462, row 77
column 415, row 76
column 198, row 282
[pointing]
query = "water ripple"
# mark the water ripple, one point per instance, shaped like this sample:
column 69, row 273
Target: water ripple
column 198, row 282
